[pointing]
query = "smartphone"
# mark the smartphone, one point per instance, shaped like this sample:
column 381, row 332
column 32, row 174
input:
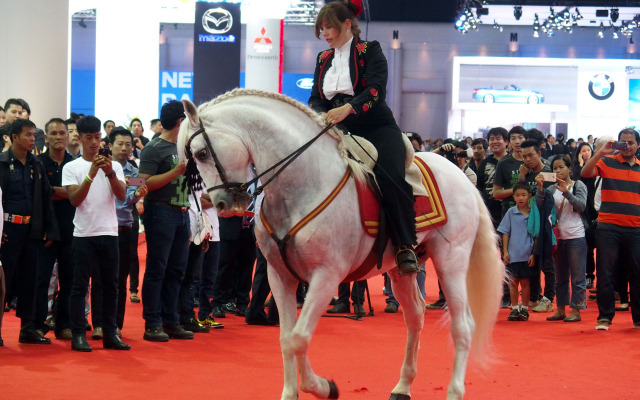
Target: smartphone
column 104, row 152
column 137, row 181
column 619, row 145
column 549, row 176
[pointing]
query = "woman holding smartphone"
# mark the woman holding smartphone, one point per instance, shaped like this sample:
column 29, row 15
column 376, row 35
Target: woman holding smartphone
column 570, row 198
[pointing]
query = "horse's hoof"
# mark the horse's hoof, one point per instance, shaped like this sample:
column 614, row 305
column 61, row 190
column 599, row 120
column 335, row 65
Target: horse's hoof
column 397, row 396
column 333, row 390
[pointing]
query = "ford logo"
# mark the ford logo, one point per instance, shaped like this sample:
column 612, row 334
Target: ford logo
column 305, row 83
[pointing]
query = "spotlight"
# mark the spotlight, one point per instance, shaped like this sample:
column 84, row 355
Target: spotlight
column 601, row 32
column 577, row 17
column 517, row 12
column 615, row 13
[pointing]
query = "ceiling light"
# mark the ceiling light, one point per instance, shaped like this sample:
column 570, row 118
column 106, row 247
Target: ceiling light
column 615, row 13
column 517, row 12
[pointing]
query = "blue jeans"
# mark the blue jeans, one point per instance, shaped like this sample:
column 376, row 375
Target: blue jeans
column 614, row 246
column 571, row 263
column 167, row 230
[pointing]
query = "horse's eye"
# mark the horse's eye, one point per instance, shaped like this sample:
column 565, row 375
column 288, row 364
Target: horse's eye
column 201, row 155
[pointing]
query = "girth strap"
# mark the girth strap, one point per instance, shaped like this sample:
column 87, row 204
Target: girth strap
column 282, row 243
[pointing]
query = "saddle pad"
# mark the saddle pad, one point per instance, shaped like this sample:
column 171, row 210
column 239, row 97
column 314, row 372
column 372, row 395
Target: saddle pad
column 430, row 210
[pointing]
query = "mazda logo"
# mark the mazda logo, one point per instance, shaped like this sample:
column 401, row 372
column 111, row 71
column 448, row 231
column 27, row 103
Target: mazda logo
column 217, row 21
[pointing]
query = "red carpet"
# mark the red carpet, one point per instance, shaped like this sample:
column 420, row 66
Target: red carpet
column 534, row 360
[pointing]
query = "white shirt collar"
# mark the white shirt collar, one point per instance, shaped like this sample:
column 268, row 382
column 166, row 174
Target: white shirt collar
column 345, row 48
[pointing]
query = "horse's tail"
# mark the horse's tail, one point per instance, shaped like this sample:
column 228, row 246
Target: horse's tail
column 484, row 281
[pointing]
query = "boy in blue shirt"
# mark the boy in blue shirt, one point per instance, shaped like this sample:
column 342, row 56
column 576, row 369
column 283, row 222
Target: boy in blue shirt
column 518, row 247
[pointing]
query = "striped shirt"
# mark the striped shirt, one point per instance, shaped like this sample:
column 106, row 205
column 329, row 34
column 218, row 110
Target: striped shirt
column 620, row 192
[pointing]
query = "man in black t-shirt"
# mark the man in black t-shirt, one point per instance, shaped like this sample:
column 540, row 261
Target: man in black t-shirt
column 507, row 170
column 487, row 172
column 528, row 171
column 167, row 229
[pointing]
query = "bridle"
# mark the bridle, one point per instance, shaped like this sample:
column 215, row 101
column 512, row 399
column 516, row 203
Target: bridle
column 239, row 189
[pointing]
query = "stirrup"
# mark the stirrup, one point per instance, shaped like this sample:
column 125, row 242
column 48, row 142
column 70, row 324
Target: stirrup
column 406, row 261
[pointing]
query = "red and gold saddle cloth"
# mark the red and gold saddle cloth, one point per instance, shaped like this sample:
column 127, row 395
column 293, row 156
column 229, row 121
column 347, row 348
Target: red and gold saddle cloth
column 430, row 210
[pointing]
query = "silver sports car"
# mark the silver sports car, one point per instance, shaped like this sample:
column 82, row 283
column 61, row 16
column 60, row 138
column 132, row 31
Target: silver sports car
column 510, row 94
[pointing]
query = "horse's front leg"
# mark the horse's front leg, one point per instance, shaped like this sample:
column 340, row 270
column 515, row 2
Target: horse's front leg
column 405, row 289
column 284, row 292
column 321, row 288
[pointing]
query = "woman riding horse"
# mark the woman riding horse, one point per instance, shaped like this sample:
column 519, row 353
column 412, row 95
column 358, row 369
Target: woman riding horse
column 349, row 85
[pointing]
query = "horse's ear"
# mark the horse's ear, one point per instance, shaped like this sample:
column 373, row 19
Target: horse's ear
column 192, row 113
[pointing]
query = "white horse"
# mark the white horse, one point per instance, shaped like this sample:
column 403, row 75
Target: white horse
column 245, row 126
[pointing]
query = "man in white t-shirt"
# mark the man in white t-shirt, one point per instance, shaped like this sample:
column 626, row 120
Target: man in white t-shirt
column 92, row 181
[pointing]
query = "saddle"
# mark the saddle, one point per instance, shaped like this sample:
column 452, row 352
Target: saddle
column 429, row 207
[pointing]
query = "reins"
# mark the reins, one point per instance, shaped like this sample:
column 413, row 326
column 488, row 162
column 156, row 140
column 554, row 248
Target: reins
column 236, row 188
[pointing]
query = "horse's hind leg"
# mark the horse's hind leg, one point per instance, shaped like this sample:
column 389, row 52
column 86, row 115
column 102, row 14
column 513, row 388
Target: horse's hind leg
column 284, row 292
column 405, row 290
column 321, row 289
column 453, row 275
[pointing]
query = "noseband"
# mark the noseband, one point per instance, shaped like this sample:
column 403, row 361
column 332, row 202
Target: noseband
column 238, row 189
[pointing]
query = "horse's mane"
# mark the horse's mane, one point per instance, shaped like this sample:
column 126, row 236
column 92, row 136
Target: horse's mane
column 345, row 148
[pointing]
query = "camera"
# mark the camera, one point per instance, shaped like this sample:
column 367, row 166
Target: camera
column 104, row 151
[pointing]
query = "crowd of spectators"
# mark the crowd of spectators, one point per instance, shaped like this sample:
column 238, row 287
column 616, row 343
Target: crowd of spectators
column 74, row 197
column 554, row 204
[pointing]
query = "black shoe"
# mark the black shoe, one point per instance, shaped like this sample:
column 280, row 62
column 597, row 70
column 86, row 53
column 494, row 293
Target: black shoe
column 32, row 336
column 79, row 343
column 175, row 331
column 114, row 342
column 592, row 297
column 87, row 326
column 440, row 304
column 339, row 308
column 196, row 302
column 155, row 334
column 358, row 310
column 194, row 326
column 407, row 261
column 260, row 321
column 241, row 311
column 229, row 308
column 217, row 311
column 589, row 283
column 391, row 308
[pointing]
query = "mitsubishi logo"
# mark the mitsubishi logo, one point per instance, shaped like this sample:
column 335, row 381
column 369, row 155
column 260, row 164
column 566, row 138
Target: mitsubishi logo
column 217, row 21
column 266, row 39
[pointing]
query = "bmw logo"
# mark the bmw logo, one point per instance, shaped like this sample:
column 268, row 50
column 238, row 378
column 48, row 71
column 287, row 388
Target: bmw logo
column 304, row 83
column 601, row 87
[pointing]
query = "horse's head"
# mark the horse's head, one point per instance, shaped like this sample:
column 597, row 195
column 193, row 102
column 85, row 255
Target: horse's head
column 216, row 156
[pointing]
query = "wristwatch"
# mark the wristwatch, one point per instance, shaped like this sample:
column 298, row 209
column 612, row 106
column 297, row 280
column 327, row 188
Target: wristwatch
column 111, row 175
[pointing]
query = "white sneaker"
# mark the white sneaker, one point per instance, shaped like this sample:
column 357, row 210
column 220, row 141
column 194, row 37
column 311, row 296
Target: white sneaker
column 544, row 305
